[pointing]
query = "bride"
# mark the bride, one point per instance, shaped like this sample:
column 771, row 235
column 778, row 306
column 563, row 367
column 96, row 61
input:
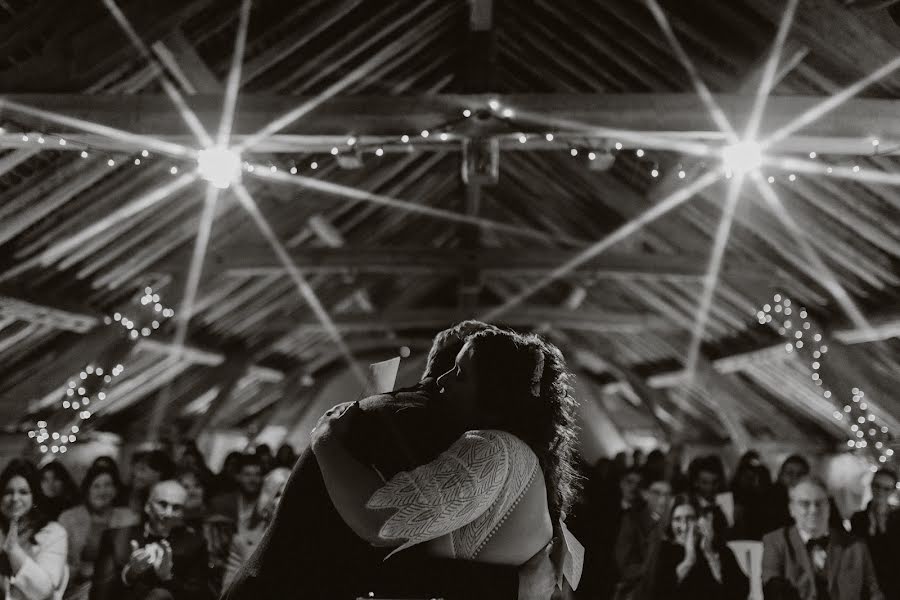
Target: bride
column 500, row 491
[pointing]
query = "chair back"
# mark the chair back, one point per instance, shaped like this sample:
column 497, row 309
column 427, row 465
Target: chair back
column 749, row 555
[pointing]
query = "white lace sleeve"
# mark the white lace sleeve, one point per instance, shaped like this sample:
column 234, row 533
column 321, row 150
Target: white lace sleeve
column 451, row 491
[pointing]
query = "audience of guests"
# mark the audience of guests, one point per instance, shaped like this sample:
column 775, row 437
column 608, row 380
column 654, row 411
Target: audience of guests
column 692, row 560
column 879, row 526
column 245, row 542
column 59, row 489
column 85, row 524
column 811, row 560
column 157, row 559
column 33, row 550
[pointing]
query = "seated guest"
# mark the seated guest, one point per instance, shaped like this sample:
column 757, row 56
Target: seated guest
column 195, row 503
column 810, row 560
column 285, row 457
column 159, row 559
column 706, row 478
column 147, row 469
column 878, row 527
column 638, row 533
column 86, row 522
column 750, row 489
column 33, row 552
column 225, row 481
column 240, row 504
column 244, row 543
column 59, row 489
column 692, row 561
column 217, row 530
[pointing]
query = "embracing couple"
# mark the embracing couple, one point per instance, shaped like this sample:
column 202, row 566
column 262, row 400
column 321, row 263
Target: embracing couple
column 454, row 488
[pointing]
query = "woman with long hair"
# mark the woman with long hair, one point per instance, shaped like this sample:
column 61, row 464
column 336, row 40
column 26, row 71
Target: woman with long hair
column 86, row 523
column 499, row 492
column 33, row 548
column 692, row 560
column 244, row 543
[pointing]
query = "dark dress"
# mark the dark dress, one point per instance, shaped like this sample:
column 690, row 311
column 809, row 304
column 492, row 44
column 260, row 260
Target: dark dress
column 309, row 552
column 700, row 584
column 884, row 548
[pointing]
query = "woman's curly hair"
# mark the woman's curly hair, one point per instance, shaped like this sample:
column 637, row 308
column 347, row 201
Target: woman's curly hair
column 539, row 410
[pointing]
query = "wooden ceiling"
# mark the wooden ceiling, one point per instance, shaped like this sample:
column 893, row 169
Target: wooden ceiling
column 392, row 276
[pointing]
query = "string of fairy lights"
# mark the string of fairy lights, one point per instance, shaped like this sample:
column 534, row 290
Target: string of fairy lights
column 92, row 384
column 597, row 154
column 865, row 432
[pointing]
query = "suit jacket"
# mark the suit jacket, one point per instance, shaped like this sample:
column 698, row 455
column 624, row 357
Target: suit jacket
column 190, row 574
column 884, row 549
column 309, row 552
column 638, row 534
column 848, row 570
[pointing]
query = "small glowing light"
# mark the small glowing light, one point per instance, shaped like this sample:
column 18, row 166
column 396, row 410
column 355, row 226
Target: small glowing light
column 144, row 153
column 111, row 162
column 863, row 406
column 66, row 404
column 827, row 394
column 889, row 452
column 43, row 448
column 379, row 152
column 851, row 443
column 314, row 165
column 574, row 151
column 467, row 113
column 829, row 170
column 174, row 170
column 681, row 174
column 31, row 434
column 507, row 113
column 445, row 136
column 856, row 168
column 55, row 436
column 404, row 138
column 591, row 156
column 549, row 137
column 618, row 146
column 40, row 140
column 62, row 142
column 812, row 154
column 639, row 152
column 334, row 151
column 771, row 179
column 523, row 138
column 351, row 141
column 293, row 170
column 654, row 173
column 875, row 143
column 742, row 157
column 494, row 104
column 424, row 133
column 789, row 347
column 273, row 169
column 219, row 166
column 137, row 161
column 792, row 177
column 74, row 428
column 24, row 138
column 84, row 154
column 101, row 396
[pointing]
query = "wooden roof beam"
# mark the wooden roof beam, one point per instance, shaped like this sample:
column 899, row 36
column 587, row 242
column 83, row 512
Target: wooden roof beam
column 845, row 130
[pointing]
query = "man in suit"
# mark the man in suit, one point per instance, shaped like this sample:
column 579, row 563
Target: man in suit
column 158, row 559
column 238, row 505
column 638, row 533
column 309, row 552
column 879, row 526
column 810, row 561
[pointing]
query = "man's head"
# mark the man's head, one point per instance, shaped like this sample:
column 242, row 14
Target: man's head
column 148, row 468
column 630, row 485
column 446, row 346
column 657, row 493
column 793, row 469
column 808, row 503
column 706, row 477
column 884, row 483
column 165, row 506
column 249, row 475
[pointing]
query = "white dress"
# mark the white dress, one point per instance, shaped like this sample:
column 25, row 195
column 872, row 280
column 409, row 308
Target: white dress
column 482, row 499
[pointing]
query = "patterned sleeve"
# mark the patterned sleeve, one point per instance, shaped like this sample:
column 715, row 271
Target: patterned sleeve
column 449, row 492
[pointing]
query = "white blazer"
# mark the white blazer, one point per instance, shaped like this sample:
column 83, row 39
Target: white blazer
column 45, row 574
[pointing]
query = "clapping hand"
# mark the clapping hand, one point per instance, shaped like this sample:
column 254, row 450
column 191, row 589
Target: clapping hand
column 690, row 544
column 163, row 563
column 705, row 530
column 140, row 561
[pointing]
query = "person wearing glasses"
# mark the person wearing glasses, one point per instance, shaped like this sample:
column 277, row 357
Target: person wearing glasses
column 639, row 533
column 810, row 560
column 159, row 559
column 879, row 526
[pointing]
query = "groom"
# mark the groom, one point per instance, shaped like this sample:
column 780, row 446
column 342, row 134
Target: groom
column 308, row 551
